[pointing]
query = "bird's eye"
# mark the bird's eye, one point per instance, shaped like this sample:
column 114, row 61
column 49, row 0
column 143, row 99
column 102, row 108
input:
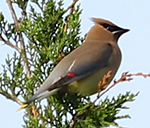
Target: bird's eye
column 108, row 28
column 111, row 28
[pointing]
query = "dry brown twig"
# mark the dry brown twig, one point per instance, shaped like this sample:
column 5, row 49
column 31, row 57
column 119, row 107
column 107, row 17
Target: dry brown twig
column 139, row 74
column 34, row 112
column 71, row 7
column 10, row 44
column 102, row 85
column 125, row 77
column 13, row 13
column 14, row 98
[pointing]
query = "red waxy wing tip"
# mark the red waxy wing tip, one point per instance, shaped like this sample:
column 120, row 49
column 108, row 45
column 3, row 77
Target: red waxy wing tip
column 70, row 74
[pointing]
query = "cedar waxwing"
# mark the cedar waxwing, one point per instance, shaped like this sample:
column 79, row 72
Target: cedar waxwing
column 82, row 69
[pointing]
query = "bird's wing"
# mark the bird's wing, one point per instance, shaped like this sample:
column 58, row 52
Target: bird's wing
column 80, row 63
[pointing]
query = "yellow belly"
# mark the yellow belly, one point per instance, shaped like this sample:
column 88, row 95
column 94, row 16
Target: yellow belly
column 89, row 85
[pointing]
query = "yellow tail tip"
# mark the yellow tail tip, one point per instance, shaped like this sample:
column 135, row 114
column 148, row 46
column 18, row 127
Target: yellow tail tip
column 23, row 107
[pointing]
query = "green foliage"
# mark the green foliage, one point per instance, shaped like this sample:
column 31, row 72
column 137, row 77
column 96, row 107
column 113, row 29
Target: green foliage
column 105, row 113
column 47, row 41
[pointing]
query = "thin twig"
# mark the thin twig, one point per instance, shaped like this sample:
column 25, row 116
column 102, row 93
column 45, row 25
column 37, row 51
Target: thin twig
column 102, row 85
column 125, row 77
column 10, row 44
column 74, row 121
column 13, row 12
column 14, row 98
column 71, row 6
column 139, row 74
column 34, row 112
column 24, row 55
column 23, row 51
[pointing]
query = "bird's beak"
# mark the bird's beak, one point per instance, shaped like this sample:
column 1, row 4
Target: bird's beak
column 119, row 32
column 122, row 31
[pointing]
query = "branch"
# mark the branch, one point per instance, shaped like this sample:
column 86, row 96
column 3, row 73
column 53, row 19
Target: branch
column 71, row 6
column 10, row 44
column 14, row 98
column 66, row 25
column 34, row 112
column 125, row 77
column 74, row 121
column 24, row 56
column 139, row 74
column 23, row 51
column 67, row 17
column 13, row 13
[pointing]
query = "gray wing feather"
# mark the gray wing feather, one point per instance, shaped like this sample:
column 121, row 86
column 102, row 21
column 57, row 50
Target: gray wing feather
column 91, row 60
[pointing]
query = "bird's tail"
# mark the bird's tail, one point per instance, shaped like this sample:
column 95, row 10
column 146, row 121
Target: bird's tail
column 38, row 96
column 23, row 107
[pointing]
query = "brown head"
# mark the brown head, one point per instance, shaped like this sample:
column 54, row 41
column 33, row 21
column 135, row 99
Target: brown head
column 104, row 30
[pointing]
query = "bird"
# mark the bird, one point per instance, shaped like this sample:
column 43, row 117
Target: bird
column 82, row 69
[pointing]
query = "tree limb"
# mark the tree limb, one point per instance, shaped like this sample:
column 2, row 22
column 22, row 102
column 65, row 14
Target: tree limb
column 13, row 13
column 22, row 44
column 14, row 98
column 71, row 6
column 125, row 77
column 10, row 44
column 71, row 11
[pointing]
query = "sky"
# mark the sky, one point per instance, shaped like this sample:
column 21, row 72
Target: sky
column 135, row 48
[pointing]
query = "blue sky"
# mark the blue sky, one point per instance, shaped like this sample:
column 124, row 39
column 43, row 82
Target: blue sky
column 135, row 47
